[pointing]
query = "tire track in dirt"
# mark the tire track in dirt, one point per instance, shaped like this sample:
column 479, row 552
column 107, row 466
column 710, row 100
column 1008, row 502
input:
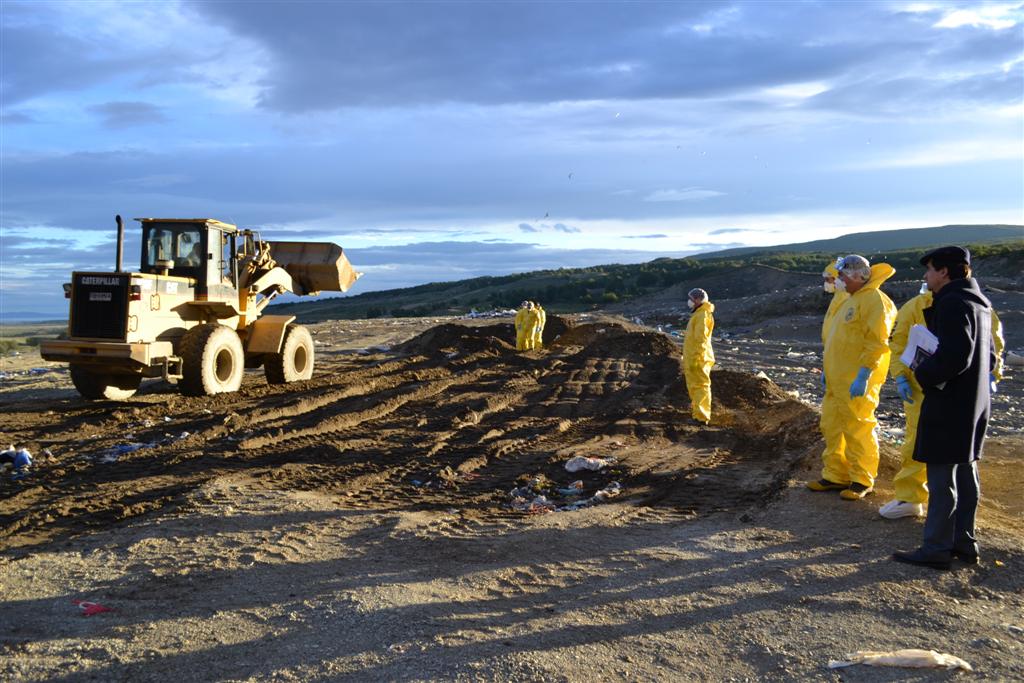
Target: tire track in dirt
column 455, row 422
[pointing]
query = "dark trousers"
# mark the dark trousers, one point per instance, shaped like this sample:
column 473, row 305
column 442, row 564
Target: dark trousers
column 953, row 492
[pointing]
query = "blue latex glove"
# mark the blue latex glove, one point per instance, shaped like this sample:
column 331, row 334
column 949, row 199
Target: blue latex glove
column 904, row 389
column 992, row 383
column 859, row 387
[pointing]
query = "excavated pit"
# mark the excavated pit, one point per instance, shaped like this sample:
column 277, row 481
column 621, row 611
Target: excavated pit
column 453, row 418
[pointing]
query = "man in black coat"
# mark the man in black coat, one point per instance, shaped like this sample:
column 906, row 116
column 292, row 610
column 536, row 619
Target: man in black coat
column 956, row 408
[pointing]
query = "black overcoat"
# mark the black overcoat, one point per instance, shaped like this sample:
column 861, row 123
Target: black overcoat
column 955, row 378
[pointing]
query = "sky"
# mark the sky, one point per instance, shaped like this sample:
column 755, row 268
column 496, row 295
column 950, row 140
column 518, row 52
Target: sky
column 444, row 140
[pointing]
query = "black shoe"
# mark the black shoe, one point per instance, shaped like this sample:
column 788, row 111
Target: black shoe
column 918, row 558
column 967, row 557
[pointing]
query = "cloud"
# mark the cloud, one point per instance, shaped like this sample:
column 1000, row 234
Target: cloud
column 716, row 246
column 687, row 194
column 656, row 236
column 545, row 227
column 995, row 17
column 15, row 118
column 127, row 114
column 947, row 153
column 324, row 56
column 726, row 231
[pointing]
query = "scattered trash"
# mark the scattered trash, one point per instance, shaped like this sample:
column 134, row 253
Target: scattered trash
column 167, row 418
column 19, row 459
column 91, row 608
column 760, row 374
column 583, row 463
column 911, row 658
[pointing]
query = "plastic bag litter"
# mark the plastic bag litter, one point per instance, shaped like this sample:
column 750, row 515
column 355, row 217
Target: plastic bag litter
column 19, row 459
column 911, row 658
column 761, row 375
column 580, row 462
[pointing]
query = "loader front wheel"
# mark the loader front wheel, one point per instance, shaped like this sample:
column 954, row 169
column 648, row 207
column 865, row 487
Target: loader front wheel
column 295, row 362
column 213, row 361
column 96, row 385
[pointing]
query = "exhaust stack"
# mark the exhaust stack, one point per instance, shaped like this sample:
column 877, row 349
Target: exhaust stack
column 120, row 242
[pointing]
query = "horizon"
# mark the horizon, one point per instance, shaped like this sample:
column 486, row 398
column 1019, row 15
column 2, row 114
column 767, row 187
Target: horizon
column 518, row 135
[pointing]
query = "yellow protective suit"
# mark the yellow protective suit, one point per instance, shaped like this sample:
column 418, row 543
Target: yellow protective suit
column 911, row 482
column 835, row 445
column 698, row 359
column 530, row 323
column 520, row 323
column 538, row 336
column 1000, row 344
column 858, row 336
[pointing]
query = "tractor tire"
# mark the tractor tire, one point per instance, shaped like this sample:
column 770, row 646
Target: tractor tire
column 295, row 362
column 96, row 385
column 212, row 360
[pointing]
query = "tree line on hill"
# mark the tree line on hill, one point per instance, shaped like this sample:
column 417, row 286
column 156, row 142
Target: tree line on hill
column 576, row 289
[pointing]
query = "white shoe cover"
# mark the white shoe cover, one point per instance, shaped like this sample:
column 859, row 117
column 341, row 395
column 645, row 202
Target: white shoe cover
column 895, row 509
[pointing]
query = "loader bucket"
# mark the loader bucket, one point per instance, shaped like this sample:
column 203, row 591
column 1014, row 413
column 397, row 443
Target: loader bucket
column 314, row 266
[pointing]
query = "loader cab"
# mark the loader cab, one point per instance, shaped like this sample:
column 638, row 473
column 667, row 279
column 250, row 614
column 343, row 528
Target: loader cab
column 199, row 249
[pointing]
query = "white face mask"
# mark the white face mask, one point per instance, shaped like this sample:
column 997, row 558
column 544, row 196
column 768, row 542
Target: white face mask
column 924, row 288
column 690, row 304
column 829, row 287
column 840, row 285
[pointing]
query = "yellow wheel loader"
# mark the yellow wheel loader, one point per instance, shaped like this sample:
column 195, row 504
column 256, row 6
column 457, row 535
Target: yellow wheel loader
column 192, row 311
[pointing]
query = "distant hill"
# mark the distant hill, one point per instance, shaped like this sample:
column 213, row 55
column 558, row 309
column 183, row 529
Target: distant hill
column 577, row 289
column 889, row 240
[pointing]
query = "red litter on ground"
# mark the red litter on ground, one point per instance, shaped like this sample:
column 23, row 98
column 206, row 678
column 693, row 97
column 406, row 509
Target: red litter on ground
column 91, row 608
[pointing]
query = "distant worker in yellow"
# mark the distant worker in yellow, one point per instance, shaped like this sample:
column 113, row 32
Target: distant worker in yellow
column 530, row 324
column 911, row 482
column 856, row 361
column 520, row 324
column 835, row 446
column 542, row 317
column 698, row 356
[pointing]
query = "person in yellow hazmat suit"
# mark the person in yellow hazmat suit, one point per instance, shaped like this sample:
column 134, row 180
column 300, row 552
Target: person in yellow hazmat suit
column 911, row 482
column 856, row 363
column 538, row 337
column 531, row 322
column 835, row 446
column 698, row 356
column 520, row 324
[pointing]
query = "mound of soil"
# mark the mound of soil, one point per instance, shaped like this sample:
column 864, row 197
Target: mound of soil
column 744, row 391
column 448, row 338
column 554, row 327
column 424, row 429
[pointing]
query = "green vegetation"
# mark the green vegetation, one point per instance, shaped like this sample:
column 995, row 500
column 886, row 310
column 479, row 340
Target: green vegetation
column 570, row 290
column 23, row 337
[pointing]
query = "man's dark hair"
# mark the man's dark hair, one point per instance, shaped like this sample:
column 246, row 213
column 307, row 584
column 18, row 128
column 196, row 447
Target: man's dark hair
column 959, row 271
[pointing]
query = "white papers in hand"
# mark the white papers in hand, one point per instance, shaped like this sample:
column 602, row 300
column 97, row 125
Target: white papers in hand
column 920, row 344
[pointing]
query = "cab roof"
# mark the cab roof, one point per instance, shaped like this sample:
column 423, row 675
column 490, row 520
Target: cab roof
column 211, row 222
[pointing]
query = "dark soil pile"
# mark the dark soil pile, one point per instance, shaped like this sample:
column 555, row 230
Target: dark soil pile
column 448, row 338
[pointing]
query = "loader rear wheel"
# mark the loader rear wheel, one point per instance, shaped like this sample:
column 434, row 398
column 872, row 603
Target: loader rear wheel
column 213, row 361
column 96, row 385
column 295, row 362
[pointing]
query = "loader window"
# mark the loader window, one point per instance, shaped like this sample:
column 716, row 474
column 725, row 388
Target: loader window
column 182, row 245
column 159, row 246
column 189, row 250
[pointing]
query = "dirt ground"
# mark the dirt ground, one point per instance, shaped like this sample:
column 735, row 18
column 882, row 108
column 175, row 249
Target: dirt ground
column 362, row 525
